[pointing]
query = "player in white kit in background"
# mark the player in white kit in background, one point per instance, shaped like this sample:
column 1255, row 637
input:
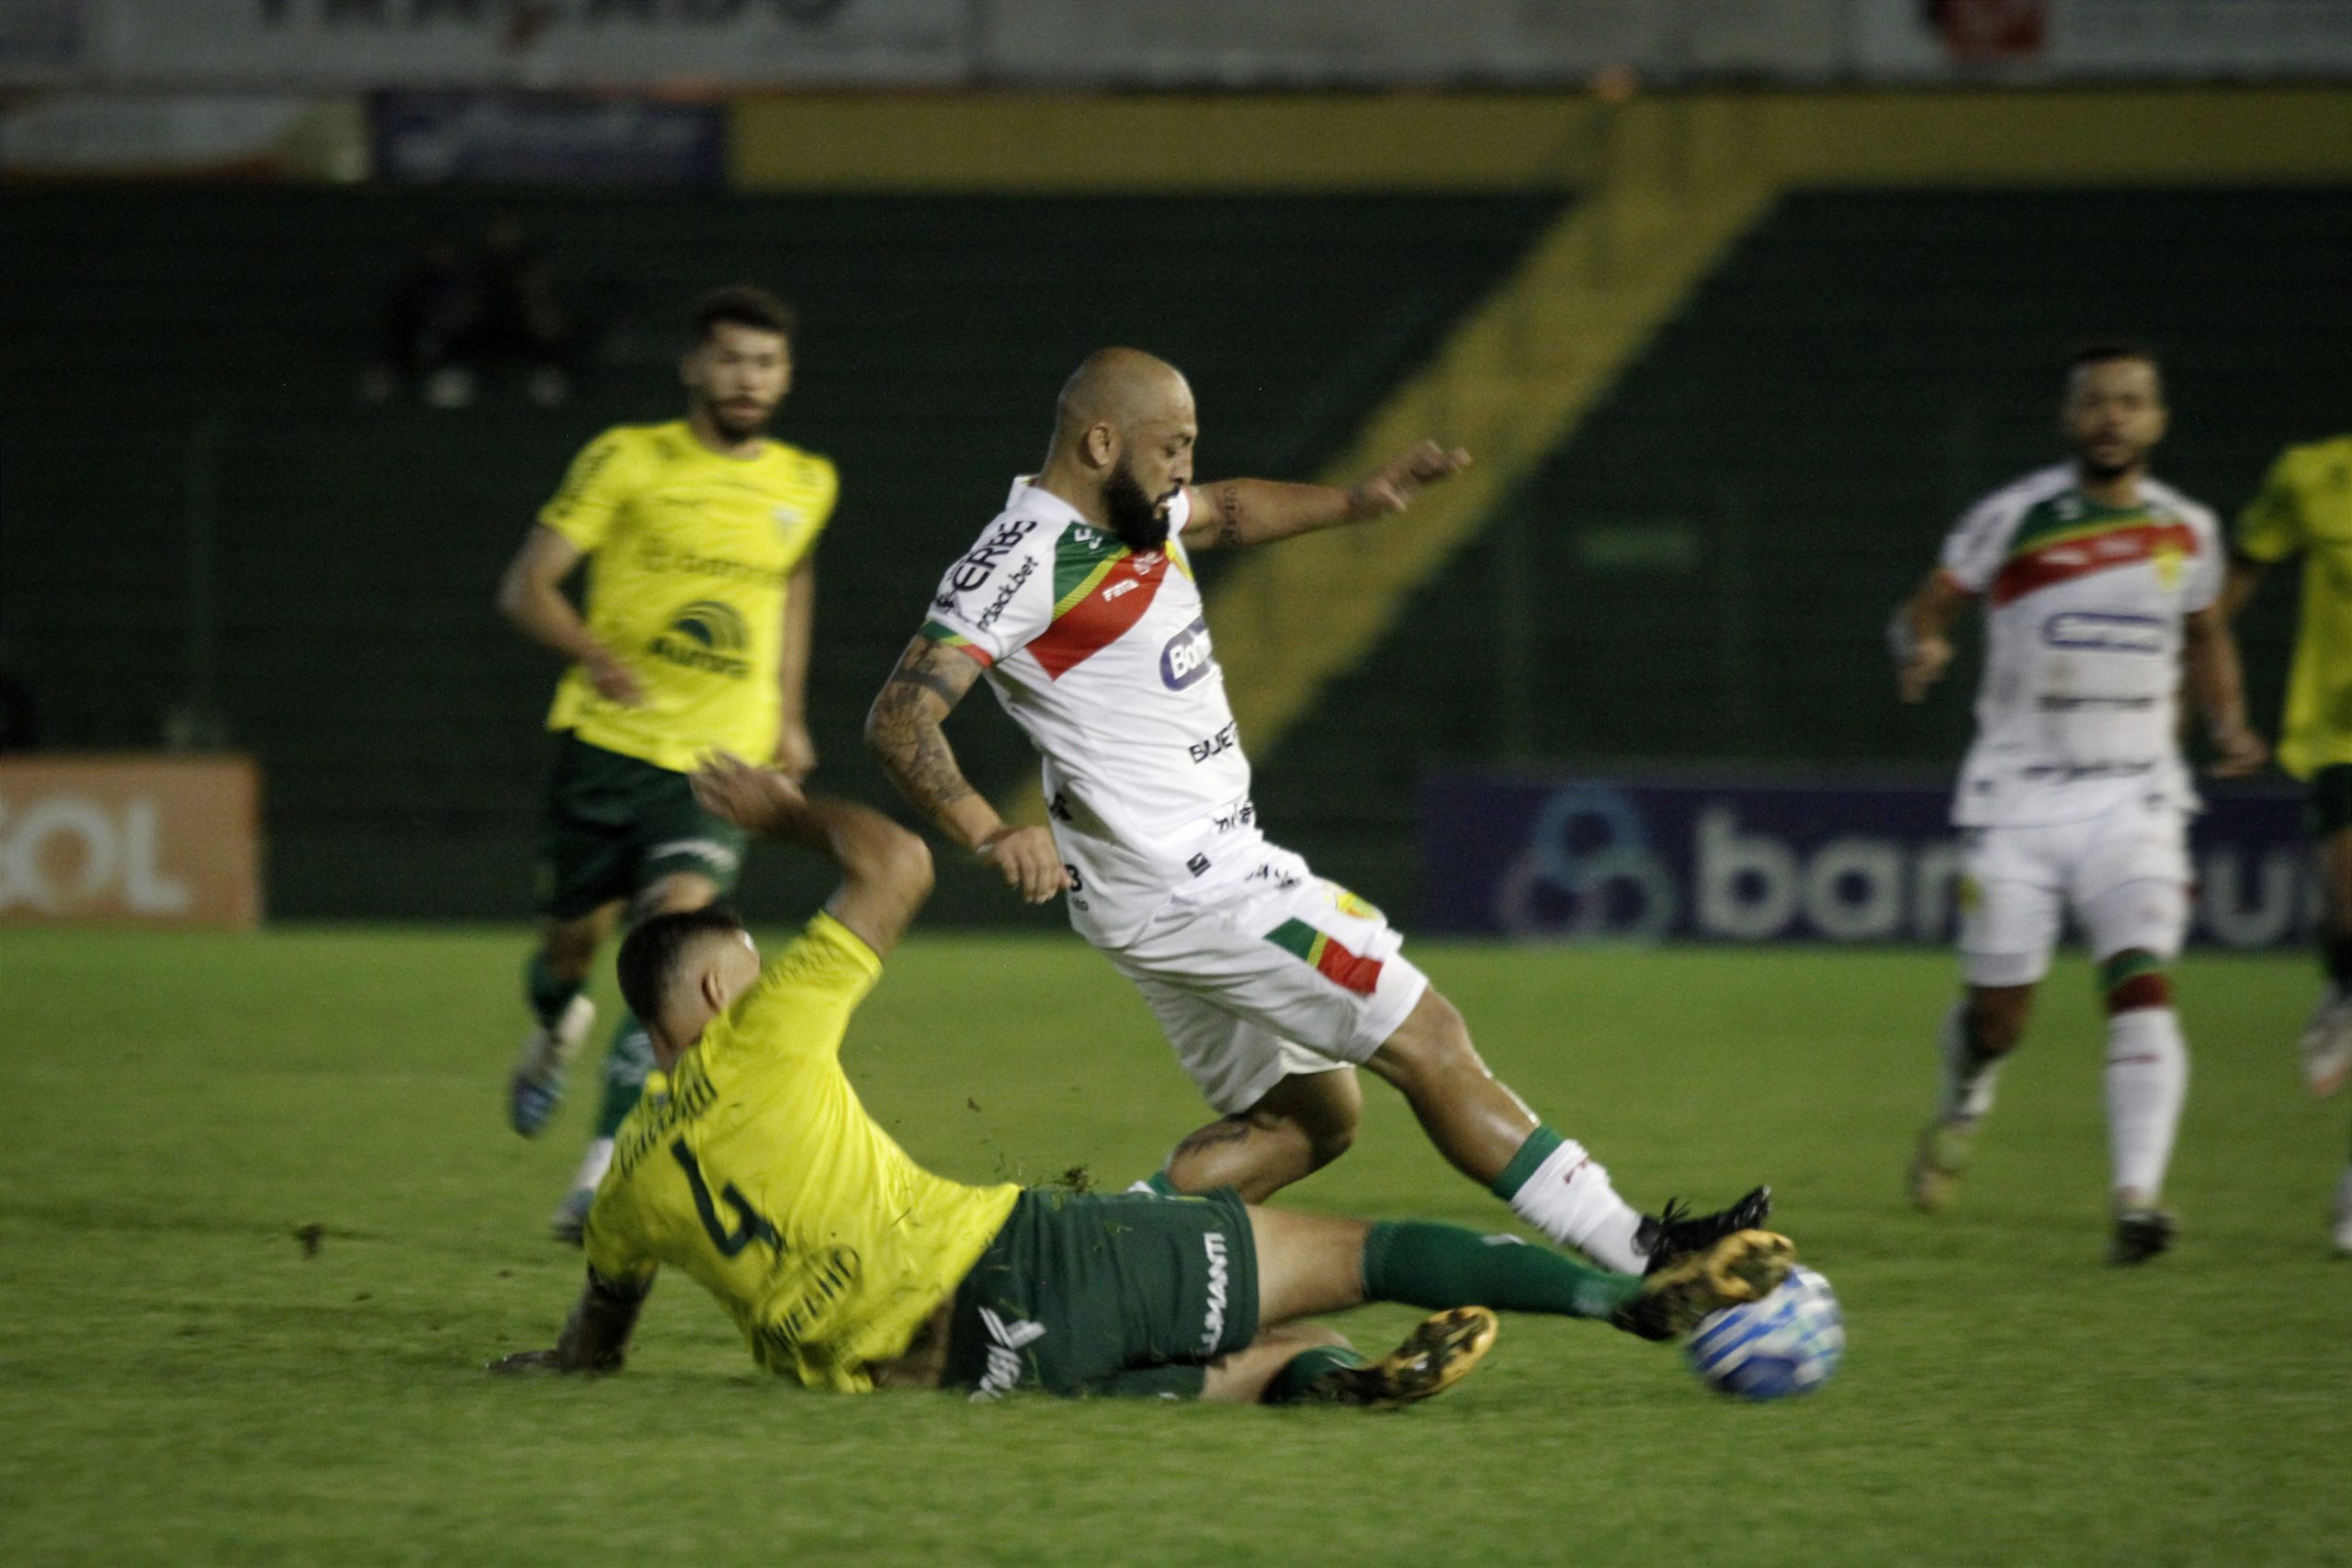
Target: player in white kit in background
column 1079, row 605
column 2100, row 587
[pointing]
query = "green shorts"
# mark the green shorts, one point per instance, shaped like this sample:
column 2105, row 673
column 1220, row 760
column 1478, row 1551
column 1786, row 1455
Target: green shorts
column 2331, row 800
column 614, row 825
column 1113, row 1293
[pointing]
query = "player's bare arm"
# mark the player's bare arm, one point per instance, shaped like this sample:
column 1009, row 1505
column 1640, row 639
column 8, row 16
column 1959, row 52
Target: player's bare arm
column 2209, row 667
column 1920, row 634
column 2244, row 581
column 1235, row 512
column 595, row 1337
column 796, row 753
column 886, row 870
column 903, row 731
column 530, row 594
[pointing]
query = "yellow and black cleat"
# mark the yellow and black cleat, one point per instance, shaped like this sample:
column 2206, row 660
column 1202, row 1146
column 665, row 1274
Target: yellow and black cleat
column 1439, row 1353
column 1746, row 1265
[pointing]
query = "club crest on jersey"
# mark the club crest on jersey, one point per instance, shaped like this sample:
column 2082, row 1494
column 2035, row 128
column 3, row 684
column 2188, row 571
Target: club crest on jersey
column 1186, row 658
column 2170, row 560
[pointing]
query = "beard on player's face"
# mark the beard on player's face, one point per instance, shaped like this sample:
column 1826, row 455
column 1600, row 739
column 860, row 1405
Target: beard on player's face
column 1140, row 522
column 736, row 424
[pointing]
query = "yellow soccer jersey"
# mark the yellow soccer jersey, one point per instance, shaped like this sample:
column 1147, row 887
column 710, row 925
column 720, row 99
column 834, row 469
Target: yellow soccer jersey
column 2306, row 505
column 762, row 1177
column 689, row 557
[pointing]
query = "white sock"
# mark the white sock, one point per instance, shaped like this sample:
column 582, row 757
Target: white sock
column 2343, row 1211
column 593, row 1164
column 1568, row 1198
column 1968, row 1079
column 2147, row 1078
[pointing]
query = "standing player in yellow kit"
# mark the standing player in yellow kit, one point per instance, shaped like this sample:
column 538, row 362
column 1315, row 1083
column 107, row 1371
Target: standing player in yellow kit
column 2305, row 508
column 694, row 639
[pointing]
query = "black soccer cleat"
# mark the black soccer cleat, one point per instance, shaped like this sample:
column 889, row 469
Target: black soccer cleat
column 1674, row 1233
column 2140, row 1235
column 1439, row 1353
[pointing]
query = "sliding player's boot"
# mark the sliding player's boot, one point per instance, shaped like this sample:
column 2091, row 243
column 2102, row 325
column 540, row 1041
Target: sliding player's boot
column 1439, row 1353
column 1674, row 1233
column 535, row 1086
column 1746, row 1267
column 1944, row 1151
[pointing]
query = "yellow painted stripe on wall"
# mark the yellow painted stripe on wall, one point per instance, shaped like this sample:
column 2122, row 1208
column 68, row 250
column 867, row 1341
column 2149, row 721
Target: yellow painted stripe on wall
column 1012, row 142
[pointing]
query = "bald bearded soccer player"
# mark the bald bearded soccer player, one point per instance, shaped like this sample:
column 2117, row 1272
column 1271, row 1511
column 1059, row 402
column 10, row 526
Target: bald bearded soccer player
column 1077, row 605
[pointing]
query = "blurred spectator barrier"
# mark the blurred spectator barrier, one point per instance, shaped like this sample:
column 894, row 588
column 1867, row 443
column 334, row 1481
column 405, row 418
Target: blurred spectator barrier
column 700, row 44
column 1581, row 858
column 131, row 840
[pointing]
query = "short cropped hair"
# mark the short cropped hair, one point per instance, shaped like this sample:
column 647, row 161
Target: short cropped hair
column 2106, row 351
column 741, row 304
column 649, row 958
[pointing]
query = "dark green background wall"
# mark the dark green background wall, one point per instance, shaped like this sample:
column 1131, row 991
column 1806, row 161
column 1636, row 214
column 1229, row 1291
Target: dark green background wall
column 358, row 546
column 1701, row 573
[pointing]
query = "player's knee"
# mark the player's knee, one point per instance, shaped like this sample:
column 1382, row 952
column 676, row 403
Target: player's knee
column 1321, row 1110
column 1431, row 1046
column 2133, row 979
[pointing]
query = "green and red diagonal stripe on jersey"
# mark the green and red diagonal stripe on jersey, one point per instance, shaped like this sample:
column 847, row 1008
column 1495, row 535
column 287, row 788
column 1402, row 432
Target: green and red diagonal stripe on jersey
column 2042, row 555
column 1100, row 591
column 1330, row 958
column 947, row 637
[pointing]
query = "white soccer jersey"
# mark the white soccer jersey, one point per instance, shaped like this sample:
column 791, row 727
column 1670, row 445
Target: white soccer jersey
column 1102, row 656
column 2082, row 608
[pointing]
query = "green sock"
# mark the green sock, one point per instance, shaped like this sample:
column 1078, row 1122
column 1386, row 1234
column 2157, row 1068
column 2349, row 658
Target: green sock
column 1296, row 1379
column 626, row 1062
column 1427, row 1265
column 548, row 994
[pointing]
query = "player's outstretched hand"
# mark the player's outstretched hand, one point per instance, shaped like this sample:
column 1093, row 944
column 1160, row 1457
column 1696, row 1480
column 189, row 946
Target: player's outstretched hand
column 756, row 799
column 1030, row 860
column 2237, row 751
column 1392, row 490
column 1917, row 674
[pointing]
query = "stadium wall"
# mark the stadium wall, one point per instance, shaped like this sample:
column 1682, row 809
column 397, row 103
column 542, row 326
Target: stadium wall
column 1308, row 259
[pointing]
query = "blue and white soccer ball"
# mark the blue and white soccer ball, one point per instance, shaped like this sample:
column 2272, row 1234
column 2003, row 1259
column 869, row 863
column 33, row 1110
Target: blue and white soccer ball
column 1789, row 1343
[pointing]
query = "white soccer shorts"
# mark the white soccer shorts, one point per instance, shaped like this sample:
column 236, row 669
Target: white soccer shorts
column 1283, row 973
column 2123, row 874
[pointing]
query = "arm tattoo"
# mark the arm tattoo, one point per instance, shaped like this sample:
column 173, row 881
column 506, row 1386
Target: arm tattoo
column 1228, row 507
column 905, row 731
column 1231, row 1130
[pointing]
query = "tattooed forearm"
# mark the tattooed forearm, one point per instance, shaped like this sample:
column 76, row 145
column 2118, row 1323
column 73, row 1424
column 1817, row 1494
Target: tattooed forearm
column 927, row 771
column 902, row 730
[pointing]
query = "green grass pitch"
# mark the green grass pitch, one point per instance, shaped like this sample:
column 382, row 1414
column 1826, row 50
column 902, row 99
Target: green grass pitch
column 182, row 1384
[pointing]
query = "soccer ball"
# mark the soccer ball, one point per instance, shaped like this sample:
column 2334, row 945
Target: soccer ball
column 1789, row 1343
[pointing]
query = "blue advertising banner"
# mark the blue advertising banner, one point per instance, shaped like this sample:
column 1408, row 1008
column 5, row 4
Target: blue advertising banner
column 1630, row 859
column 542, row 140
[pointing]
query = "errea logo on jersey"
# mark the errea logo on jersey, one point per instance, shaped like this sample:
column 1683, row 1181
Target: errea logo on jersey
column 1186, row 658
